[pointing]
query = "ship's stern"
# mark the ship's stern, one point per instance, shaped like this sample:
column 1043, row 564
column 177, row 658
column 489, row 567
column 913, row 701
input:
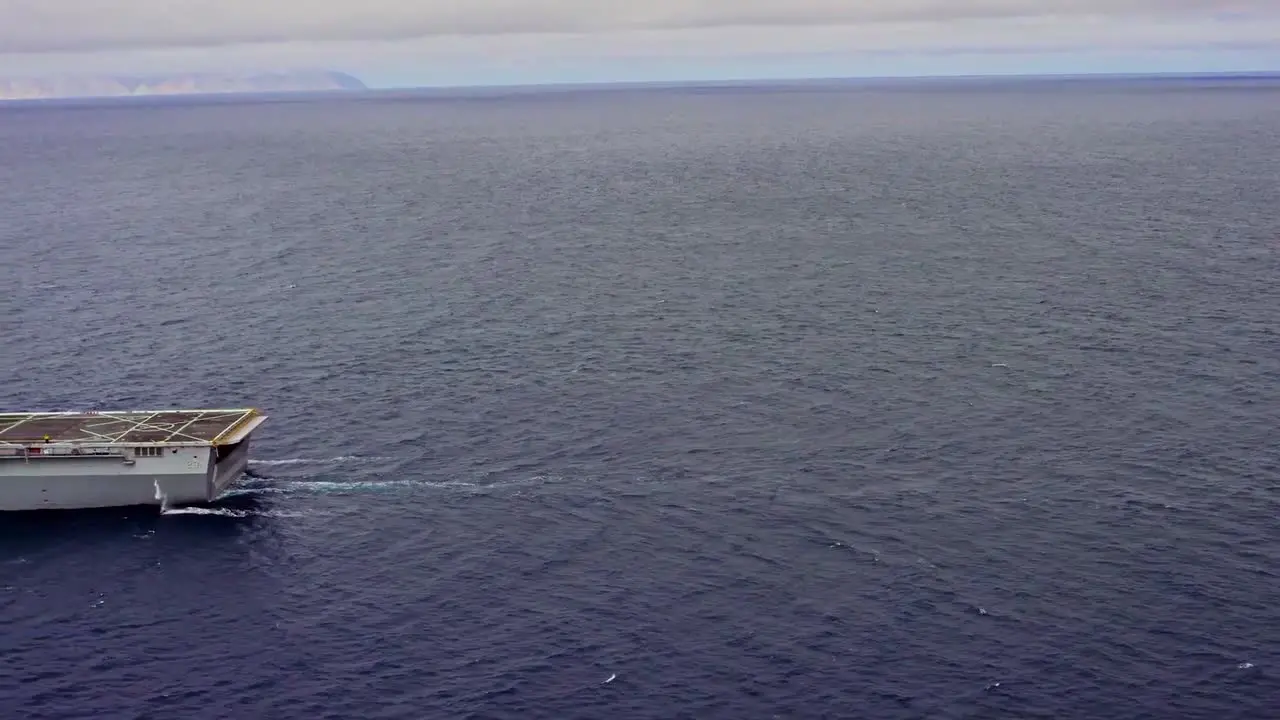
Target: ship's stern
column 229, row 463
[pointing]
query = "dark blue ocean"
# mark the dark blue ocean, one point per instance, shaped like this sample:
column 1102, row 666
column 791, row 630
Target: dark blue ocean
column 953, row 400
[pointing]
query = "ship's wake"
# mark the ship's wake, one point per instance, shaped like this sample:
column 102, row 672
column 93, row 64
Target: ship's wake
column 266, row 485
column 220, row 507
column 220, row 511
column 228, row 512
column 339, row 460
column 270, row 482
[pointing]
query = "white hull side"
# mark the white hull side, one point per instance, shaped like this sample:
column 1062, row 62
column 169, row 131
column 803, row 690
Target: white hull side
column 182, row 477
column 71, row 492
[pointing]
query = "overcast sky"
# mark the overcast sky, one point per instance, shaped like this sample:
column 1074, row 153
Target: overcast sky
column 482, row 41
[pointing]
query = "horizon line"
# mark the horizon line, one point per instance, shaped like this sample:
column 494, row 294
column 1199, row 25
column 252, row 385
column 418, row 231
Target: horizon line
column 604, row 85
column 747, row 80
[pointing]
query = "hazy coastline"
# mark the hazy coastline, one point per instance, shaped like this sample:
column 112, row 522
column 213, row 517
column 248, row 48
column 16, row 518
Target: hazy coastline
column 110, row 85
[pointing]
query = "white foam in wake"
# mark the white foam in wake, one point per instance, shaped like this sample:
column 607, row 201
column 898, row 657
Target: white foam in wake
column 318, row 461
column 342, row 486
column 224, row 512
column 253, row 490
column 228, row 512
column 282, row 486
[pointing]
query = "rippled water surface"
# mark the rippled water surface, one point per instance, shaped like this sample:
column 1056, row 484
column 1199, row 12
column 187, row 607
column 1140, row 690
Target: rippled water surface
column 902, row 402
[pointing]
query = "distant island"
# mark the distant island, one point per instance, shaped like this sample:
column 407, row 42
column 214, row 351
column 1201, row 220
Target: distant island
column 91, row 86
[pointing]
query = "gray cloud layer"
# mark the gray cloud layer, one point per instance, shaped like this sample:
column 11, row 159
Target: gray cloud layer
column 62, row 26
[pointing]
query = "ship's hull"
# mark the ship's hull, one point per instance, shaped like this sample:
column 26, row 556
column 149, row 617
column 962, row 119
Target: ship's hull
column 102, row 459
column 181, row 477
